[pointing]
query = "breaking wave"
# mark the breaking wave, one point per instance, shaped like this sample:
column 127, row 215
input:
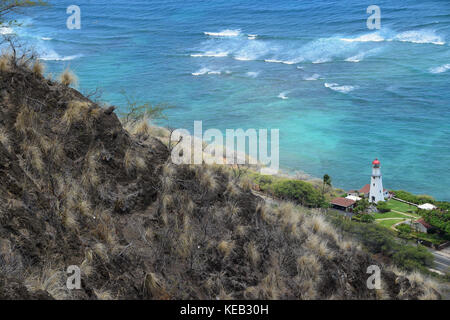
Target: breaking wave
column 338, row 88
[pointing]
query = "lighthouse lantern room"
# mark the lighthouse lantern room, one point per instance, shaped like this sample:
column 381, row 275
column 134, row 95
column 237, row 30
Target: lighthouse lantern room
column 376, row 184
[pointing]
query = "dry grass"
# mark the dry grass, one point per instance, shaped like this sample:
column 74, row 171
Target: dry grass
column 271, row 286
column 246, row 184
column 317, row 224
column 101, row 250
column 68, row 78
column 86, row 266
column 289, row 217
column 103, row 294
column 4, row 138
column 5, row 63
column 26, row 121
column 90, row 175
column 206, row 178
column 76, row 111
column 232, row 190
column 70, row 220
column 133, row 162
column 225, row 248
column 308, row 266
column 33, row 155
column 10, row 260
column 50, row 280
column 141, row 129
column 38, row 68
column 253, row 254
column 154, row 287
column 265, row 213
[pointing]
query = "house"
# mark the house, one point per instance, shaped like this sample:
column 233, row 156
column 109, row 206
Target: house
column 420, row 225
column 353, row 193
column 354, row 198
column 427, row 206
column 366, row 191
column 343, row 204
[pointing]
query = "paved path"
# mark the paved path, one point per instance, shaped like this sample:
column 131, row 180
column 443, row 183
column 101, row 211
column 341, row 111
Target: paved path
column 406, row 214
column 441, row 259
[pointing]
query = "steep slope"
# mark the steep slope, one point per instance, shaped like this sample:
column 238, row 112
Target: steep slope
column 79, row 189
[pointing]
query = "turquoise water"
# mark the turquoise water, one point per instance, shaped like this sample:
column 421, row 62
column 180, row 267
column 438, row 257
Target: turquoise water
column 340, row 94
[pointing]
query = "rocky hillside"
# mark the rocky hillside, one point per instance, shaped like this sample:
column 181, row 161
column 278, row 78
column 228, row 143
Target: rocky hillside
column 78, row 189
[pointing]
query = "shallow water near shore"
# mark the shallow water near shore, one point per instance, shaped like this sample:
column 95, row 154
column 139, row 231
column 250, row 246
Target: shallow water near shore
column 340, row 94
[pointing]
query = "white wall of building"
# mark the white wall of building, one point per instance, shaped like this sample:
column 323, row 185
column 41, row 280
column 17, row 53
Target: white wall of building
column 376, row 193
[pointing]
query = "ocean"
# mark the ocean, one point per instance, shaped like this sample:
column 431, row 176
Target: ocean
column 340, row 94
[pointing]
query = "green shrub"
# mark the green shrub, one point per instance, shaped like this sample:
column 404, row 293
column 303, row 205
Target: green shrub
column 361, row 206
column 379, row 240
column 438, row 219
column 295, row 190
column 367, row 218
column 383, row 207
column 407, row 196
column 404, row 228
column 411, row 258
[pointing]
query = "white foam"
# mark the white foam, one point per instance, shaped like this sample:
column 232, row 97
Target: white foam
column 321, row 60
column 243, row 58
column 414, row 36
column 6, row 30
column 46, row 39
column 204, row 71
column 356, row 58
column 201, row 72
column 224, row 33
column 53, row 56
column 279, row 61
column 314, row 77
column 371, row 37
column 283, row 96
column 440, row 69
column 252, row 74
column 420, row 36
column 338, row 88
column 210, row 55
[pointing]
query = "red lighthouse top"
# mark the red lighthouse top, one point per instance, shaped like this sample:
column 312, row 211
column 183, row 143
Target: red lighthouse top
column 376, row 162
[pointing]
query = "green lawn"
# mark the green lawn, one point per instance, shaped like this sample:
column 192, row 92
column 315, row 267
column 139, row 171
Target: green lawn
column 402, row 207
column 388, row 223
column 388, row 215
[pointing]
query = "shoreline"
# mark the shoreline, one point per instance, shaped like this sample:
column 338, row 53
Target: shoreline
column 283, row 173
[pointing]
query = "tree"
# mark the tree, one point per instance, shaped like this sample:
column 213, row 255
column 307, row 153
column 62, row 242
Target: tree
column 326, row 182
column 438, row 219
column 361, row 206
column 136, row 111
column 8, row 7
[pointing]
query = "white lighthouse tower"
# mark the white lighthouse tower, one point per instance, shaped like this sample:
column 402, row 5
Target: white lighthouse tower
column 376, row 193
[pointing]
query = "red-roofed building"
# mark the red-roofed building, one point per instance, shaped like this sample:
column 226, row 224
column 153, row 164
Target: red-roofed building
column 343, row 204
column 354, row 193
column 366, row 190
column 422, row 226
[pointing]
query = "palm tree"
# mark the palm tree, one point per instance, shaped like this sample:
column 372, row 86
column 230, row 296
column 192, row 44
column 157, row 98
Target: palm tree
column 326, row 181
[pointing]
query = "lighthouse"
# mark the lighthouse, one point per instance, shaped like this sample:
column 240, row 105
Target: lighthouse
column 376, row 183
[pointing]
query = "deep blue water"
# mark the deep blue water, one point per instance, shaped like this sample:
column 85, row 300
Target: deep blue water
column 343, row 96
